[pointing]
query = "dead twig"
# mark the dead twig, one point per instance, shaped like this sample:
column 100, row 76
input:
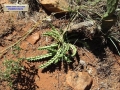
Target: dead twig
column 73, row 26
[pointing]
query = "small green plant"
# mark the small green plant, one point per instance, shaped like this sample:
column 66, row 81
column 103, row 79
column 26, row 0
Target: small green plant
column 113, row 39
column 109, row 19
column 15, row 49
column 111, row 7
column 57, row 51
column 12, row 68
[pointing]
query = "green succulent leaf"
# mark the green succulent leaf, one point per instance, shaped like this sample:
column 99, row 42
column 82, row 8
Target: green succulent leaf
column 74, row 50
column 52, row 60
column 50, row 46
column 55, row 32
column 111, row 7
column 51, row 35
column 51, row 50
column 67, row 59
column 36, row 58
column 47, row 63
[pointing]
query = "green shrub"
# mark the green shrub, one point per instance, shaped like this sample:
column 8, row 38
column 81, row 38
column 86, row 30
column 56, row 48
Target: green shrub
column 12, row 68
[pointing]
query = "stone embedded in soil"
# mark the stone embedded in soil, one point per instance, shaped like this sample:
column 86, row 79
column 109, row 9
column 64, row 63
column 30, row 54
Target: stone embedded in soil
column 24, row 45
column 55, row 5
column 79, row 80
column 34, row 38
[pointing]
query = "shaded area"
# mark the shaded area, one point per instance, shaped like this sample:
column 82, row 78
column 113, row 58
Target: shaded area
column 61, row 65
column 96, row 43
column 25, row 80
column 33, row 6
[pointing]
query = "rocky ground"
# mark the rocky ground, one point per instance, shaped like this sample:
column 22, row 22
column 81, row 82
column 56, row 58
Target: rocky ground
column 93, row 68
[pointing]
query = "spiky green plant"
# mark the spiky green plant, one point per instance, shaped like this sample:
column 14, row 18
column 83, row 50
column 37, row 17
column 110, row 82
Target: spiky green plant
column 57, row 51
column 12, row 68
column 112, row 39
column 109, row 20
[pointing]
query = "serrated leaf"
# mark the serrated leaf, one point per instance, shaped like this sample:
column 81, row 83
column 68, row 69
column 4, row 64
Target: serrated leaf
column 47, row 63
column 54, row 30
column 51, row 50
column 51, row 60
column 56, row 61
column 51, row 35
column 39, row 57
column 63, row 51
column 67, row 59
column 50, row 46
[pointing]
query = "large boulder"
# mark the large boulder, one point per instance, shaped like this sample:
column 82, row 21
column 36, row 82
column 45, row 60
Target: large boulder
column 57, row 6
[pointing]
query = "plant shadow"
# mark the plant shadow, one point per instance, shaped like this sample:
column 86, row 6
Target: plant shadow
column 97, row 45
column 94, row 45
column 25, row 80
column 61, row 65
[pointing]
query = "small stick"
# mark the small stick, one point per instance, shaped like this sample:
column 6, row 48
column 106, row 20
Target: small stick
column 73, row 26
column 21, row 39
